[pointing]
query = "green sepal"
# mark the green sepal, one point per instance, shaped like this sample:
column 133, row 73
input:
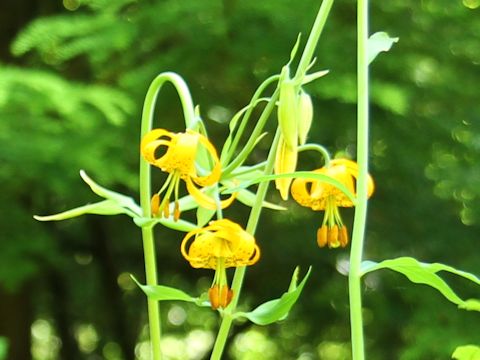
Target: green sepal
column 179, row 225
column 162, row 293
column 467, row 352
column 277, row 309
column 287, row 111
column 296, row 174
column 425, row 273
column 378, row 42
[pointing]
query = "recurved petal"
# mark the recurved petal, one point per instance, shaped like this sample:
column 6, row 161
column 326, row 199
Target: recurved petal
column 301, row 193
column 214, row 175
column 148, row 151
column 200, row 249
column 352, row 169
column 206, row 201
column 154, row 135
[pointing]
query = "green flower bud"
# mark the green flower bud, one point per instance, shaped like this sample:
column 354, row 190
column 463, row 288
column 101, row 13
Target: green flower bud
column 305, row 116
column 288, row 113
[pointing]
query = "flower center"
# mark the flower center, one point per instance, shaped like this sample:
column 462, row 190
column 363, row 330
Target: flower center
column 161, row 205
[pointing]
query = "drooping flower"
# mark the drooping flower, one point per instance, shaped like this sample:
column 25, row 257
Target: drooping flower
column 319, row 196
column 220, row 245
column 179, row 161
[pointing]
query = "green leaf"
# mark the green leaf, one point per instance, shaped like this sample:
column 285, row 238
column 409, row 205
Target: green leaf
column 114, row 204
column 314, row 76
column 295, row 48
column 121, row 199
column 378, row 42
column 248, row 198
column 297, row 174
column 105, row 207
column 277, row 309
column 179, row 225
column 204, row 216
column 162, row 293
column 233, row 126
column 470, row 305
column 467, row 352
column 425, row 273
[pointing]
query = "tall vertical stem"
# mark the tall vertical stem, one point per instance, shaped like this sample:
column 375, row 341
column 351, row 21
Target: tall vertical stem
column 237, row 282
column 356, row 253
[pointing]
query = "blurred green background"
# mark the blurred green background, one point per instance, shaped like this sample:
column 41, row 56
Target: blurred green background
column 72, row 80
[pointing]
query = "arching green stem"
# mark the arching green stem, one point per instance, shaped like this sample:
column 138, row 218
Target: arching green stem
column 318, row 148
column 145, row 195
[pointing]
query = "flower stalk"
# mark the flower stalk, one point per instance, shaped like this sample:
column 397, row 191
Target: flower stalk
column 254, row 217
column 145, row 196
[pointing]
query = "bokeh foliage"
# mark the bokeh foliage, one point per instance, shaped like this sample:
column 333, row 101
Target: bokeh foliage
column 71, row 96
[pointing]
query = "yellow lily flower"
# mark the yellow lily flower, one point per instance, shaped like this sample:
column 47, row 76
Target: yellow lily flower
column 285, row 162
column 179, row 161
column 319, row 196
column 220, row 245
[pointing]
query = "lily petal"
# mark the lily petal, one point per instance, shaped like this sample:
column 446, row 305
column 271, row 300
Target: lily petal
column 204, row 200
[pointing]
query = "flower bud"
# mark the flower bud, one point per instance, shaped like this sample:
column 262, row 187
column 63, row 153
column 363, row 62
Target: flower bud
column 305, row 116
column 288, row 113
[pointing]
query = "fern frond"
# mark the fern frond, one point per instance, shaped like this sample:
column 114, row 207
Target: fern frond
column 51, row 93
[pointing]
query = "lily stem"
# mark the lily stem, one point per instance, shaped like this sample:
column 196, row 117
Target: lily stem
column 356, row 253
column 237, row 282
column 145, row 195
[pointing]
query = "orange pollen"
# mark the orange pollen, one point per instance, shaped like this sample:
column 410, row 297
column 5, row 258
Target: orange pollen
column 220, row 298
column 155, row 204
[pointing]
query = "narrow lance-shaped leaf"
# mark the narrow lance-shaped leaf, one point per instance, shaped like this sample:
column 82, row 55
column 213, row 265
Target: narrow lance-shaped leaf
column 314, row 76
column 278, row 309
column 121, row 199
column 162, row 293
column 297, row 174
column 233, row 126
column 248, row 198
column 470, row 305
column 105, row 207
column 179, row 225
column 424, row 273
